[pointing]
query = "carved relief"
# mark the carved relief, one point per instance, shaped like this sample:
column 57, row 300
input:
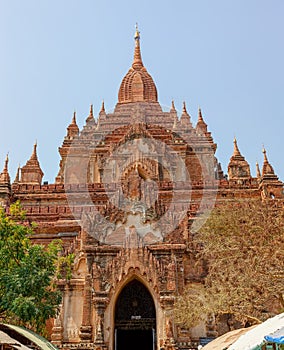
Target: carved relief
column 72, row 330
column 171, row 276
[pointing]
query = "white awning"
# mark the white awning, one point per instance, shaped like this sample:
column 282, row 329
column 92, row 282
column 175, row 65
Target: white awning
column 7, row 340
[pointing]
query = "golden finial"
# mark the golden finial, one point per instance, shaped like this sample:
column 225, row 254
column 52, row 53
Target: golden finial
column 137, row 33
column 137, row 62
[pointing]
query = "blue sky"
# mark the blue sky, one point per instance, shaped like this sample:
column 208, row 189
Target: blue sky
column 59, row 55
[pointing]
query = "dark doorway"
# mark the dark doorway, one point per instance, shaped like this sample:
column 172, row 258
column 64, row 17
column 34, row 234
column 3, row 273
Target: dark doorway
column 135, row 318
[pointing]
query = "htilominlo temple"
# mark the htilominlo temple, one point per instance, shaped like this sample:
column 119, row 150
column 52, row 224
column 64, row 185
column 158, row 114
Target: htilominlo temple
column 129, row 187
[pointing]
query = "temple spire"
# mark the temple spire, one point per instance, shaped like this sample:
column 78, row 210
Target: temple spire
column 137, row 85
column 4, row 176
column 184, row 111
column 173, row 111
column 237, row 152
column 90, row 117
column 5, row 185
column 34, row 154
column 31, row 172
column 269, row 183
column 6, row 163
column 265, row 160
column 185, row 117
column 72, row 129
column 74, row 119
column 173, row 108
column 200, row 118
column 258, row 174
column 103, row 108
column 137, row 62
column 17, row 178
column 238, row 167
column 201, row 126
column 267, row 168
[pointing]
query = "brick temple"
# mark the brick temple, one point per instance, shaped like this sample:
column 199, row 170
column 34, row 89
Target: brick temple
column 125, row 200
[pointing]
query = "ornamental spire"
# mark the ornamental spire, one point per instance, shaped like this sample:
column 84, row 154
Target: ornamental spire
column 173, row 108
column 201, row 126
column 34, row 154
column 265, row 160
column 6, row 163
column 137, row 62
column 184, row 111
column 236, row 149
column 74, row 118
column 4, row 176
column 238, row 167
column 185, row 117
column 17, row 178
column 270, row 185
column 258, row 174
column 90, row 117
column 73, row 129
column 267, row 168
column 31, row 172
column 200, row 117
column 103, row 107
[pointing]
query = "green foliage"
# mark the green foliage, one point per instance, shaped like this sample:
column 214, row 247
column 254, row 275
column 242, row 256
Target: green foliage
column 64, row 266
column 242, row 244
column 28, row 272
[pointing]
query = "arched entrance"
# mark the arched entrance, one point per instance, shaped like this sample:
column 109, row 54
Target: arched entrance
column 135, row 318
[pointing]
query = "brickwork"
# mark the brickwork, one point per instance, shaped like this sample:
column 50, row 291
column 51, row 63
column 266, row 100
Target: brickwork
column 104, row 184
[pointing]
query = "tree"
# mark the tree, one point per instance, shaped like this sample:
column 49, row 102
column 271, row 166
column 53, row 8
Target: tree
column 28, row 293
column 242, row 244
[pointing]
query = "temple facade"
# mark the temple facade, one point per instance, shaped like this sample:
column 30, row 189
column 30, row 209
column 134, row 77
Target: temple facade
column 125, row 200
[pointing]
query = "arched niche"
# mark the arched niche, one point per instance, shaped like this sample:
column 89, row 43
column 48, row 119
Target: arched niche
column 135, row 318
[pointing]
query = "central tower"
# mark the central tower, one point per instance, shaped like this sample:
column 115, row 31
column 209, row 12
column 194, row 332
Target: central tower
column 137, row 85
